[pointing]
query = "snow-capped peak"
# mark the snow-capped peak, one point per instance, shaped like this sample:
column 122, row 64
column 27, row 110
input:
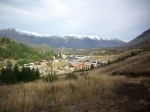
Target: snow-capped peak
column 82, row 36
column 28, row 33
column 94, row 37
column 66, row 36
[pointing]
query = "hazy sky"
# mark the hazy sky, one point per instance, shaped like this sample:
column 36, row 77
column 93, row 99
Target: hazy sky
column 122, row 19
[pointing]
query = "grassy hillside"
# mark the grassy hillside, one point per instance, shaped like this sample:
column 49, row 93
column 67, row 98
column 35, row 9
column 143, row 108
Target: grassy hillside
column 118, row 56
column 55, row 97
column 100, row 91
column 135, row 65
column 111, row 57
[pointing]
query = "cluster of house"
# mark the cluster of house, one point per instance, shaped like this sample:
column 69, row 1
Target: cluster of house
column 77, row 62
column 43, row 63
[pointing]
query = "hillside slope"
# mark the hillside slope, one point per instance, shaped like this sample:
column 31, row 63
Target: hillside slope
column 131, row 95
column 136, row 65
column 12, row 50
column 140, row 41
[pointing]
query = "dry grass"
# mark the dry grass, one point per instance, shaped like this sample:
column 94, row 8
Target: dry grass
column 114, row 57
column 136, row 63
column 109, row 57
column 38, row 96
column 60, row 64
column 57, row 96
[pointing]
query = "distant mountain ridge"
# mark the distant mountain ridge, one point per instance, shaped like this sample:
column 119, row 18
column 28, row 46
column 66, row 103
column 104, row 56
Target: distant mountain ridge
column 67, row 41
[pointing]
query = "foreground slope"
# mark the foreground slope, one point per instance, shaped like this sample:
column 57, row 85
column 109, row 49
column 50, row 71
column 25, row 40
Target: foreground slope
column 128, row 95
column 97, row 93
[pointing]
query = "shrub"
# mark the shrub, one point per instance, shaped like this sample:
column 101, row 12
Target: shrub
column 108, row 62
column 22, row 62
column 50, row 78
column 71, row 76
column 9, row 64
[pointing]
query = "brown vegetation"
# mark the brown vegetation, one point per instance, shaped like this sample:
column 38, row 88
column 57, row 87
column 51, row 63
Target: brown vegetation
column 135, row 65
column 99, row 92
column 55, row 96
column 109, row 57
column 131, row 96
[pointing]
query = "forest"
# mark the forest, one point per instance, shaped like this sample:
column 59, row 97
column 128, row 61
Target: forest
column 13, row 50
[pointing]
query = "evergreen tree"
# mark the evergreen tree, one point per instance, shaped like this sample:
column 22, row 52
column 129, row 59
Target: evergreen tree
column 37, row 74
column 92, row 67
column 11, row 49
column 7, row 76
column 132, row 54
column 17, row 72
column 11, row 76
column 108, row 63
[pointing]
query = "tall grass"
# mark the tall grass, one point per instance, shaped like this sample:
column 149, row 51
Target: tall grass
column 56, row 96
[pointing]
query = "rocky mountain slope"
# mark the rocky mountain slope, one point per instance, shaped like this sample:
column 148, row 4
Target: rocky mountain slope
column 140, row 41
column 67, row 41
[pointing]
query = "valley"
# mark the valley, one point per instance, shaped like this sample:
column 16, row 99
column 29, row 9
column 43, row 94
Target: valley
column 74, row 80
column 102, row 90
column 74, row 55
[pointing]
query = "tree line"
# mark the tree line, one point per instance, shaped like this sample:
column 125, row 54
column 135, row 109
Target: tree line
column 12, row 75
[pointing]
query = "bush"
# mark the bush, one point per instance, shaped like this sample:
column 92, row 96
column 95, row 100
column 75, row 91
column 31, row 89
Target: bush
column 108, row 62
column 50, row 78
column 22, row 62
column 9, row 64
column 71, row 76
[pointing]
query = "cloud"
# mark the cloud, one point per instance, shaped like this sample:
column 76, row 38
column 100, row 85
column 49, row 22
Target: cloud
column 103, row 18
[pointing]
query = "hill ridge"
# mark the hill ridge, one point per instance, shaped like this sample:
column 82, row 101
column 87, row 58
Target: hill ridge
column 58, row 41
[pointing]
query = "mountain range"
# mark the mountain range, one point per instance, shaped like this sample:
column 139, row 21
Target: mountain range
column 66, row 41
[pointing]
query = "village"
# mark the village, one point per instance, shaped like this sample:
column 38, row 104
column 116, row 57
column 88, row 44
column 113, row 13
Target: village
column 66, row 64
